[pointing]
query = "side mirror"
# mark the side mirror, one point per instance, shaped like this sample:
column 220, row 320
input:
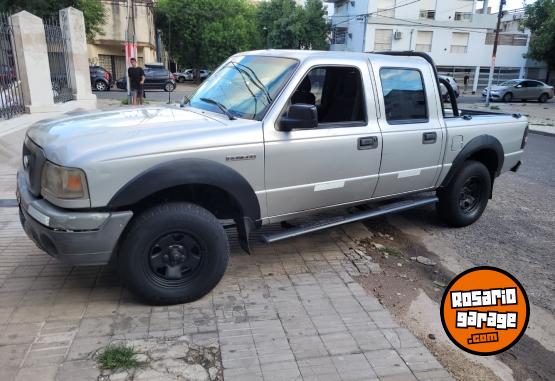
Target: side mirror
column 299, row 116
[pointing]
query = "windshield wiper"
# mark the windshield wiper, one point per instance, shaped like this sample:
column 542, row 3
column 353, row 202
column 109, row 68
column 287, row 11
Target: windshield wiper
column 221, row 106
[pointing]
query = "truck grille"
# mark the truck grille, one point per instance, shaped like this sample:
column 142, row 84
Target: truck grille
column 33, row 160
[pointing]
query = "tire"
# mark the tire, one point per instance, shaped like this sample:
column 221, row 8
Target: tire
column 173, row 253
column 169, row 87
column 101, row 86
column 508, row 97
column 543, row 98
column 464, row 200
column 181, row 79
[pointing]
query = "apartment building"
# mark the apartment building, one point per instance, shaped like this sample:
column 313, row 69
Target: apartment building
column 108, row 50
column 456, row 33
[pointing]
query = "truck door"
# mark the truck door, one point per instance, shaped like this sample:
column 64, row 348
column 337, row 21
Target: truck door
column 335, row 163
column 411, row 125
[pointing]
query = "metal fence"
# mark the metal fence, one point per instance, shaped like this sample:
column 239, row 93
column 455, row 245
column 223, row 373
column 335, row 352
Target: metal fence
column 58, row 53
column 11, row 97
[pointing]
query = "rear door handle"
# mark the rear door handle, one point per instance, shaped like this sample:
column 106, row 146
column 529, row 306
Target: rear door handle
column 429, row 137
column 368, row 142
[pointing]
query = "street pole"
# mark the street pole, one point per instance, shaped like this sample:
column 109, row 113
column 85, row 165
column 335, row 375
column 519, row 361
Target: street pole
column 127, row 51
column 494, row 54
column 169, row 54
column 365, row 18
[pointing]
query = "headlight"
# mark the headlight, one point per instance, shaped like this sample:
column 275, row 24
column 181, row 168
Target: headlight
column 64, row 183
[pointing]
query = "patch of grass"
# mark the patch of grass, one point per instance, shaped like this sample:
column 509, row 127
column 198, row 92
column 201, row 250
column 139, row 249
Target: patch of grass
column 393, row 251
column 117, row 357
column 495, row 108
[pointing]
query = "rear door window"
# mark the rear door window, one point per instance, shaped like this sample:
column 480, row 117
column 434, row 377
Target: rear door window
column 404, row 96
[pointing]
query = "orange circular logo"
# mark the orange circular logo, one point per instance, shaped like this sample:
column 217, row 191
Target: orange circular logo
column 485, row 310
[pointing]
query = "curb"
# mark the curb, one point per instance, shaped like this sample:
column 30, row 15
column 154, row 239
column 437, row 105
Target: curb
column 543, row 133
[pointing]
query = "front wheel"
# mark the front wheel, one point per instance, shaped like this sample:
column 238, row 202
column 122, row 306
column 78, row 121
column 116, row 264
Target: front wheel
column 507, row 97
column 100, row 86
column 464, row 200
column 169, row 87
column 173, row 253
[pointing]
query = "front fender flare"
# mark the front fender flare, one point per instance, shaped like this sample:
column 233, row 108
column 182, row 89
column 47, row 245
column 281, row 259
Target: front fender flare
column 188, row 172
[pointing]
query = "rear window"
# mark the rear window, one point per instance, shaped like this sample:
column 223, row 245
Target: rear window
column 404, row 96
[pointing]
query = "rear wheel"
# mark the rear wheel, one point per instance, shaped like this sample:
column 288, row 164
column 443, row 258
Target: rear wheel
column 543, row 98
column 464, row 200
column 508, row 97
column 173, row 253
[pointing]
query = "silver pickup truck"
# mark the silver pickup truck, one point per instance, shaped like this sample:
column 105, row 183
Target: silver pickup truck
column 270, row 136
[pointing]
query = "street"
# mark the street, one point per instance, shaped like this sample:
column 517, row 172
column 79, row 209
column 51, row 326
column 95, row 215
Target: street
column 151, row 95
column 516, row 232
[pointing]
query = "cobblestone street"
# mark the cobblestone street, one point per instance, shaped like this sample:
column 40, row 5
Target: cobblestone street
column 290, row 311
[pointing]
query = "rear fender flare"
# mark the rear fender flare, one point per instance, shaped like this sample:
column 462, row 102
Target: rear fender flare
column 477, row 144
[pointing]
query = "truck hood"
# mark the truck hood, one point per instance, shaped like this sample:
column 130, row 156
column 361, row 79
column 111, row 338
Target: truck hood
column 114, row 134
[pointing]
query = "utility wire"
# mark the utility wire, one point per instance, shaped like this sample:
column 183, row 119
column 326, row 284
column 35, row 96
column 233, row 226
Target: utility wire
column 372, row 13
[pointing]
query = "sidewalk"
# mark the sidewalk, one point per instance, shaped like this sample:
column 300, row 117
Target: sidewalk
column 290, row 311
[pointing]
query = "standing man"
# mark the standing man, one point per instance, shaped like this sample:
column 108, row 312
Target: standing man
column 465, row 81
column 136, row 82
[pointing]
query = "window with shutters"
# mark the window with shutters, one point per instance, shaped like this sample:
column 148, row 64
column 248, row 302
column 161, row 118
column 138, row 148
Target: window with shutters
column 427, row 14
column 382, row 40
column 386, row 8
column 424, row 41
column 459, row 42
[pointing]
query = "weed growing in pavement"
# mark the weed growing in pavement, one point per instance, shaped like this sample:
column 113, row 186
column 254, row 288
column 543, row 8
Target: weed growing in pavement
column 117, row 357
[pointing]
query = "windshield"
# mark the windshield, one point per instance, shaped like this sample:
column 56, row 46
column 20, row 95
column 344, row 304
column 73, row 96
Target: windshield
column 510, row 83
column 246, row 86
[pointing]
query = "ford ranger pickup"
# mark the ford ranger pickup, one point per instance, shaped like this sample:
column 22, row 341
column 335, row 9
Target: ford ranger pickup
column 270, row 136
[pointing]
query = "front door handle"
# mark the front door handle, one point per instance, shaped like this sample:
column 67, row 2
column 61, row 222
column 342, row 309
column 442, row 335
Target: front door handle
column 368, row 142
column 429, row 137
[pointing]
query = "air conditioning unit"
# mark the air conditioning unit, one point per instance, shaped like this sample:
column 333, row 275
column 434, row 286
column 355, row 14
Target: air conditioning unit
column 397, row 35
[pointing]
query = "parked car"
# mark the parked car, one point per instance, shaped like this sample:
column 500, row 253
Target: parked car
column 187, row 75
column 157, row 77
column 523, row 89
column 101, row 79
column 454, row 86
column 153, row 190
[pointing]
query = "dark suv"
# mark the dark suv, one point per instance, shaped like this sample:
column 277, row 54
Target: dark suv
column 157, row 77
column 101, row 79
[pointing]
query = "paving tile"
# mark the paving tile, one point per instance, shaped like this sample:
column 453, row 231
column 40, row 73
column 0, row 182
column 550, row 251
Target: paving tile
column 44, row 373
column 340, row 343
column 386, row 362
column 419, row 359
column 354, row 367
column 401, row 338
column 281, row 371
column 318, row 368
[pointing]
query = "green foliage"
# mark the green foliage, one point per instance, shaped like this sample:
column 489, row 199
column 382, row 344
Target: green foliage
column 206, row 32
column 287, row 25
column 117, row 358
column 540, row 19
column 93, row 12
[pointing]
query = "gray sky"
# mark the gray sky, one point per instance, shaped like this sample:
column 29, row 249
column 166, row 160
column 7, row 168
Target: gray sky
column 511, row 4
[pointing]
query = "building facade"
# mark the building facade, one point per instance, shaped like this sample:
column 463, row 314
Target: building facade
column 108, row 51
column 456, row 33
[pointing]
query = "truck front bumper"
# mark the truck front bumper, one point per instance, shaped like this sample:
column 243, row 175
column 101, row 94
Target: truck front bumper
column 75, row 237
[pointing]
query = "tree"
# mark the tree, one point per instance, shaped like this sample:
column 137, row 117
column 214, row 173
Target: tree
column 290, row 26
column 205, row 32
column 317, row 28
column 540, row 19
column 93, row 12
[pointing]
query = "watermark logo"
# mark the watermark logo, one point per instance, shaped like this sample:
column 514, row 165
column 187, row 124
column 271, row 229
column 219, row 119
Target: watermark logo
column 485, row 310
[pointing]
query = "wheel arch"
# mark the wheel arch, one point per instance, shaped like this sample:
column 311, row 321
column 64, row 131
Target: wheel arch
column 216, row 187
column 485, row 149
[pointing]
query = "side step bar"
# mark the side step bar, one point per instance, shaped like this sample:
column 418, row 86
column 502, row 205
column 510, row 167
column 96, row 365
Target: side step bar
column 395, row 207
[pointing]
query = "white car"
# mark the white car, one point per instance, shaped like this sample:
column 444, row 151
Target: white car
column 453, row 84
